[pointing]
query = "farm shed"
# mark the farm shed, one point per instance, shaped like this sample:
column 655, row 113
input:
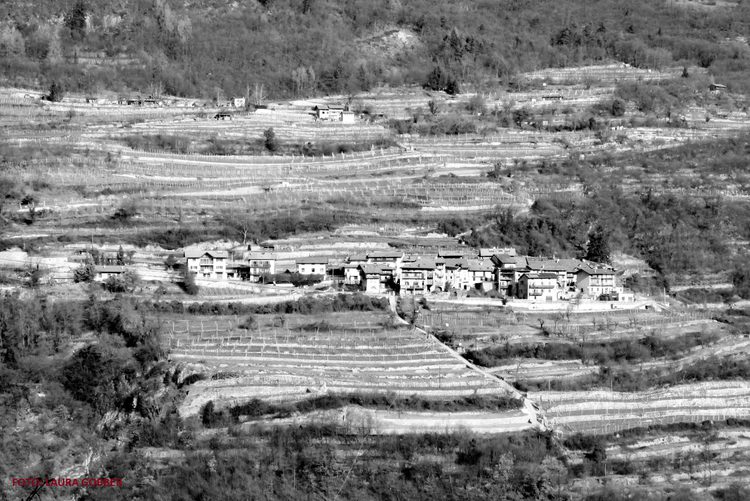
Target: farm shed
column 332, row 113
column 104, row 272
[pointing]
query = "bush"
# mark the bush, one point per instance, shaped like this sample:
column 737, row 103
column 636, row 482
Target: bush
column 126, row 282
column 84, row 273
column 56, row 92
column 188, row 283
column 270, row 141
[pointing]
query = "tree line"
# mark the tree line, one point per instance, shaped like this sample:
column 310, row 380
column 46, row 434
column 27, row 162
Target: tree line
column 291, row 48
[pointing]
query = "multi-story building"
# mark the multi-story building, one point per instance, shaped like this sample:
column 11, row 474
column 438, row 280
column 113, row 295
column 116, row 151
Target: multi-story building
column 313, row 265
column 481, row 274
column 260, row 264
column 210, row 264
column 374, row 279
column 417, row 277
column 351, row 269
column 457, row 274
column 538, row 286
column 593, row 282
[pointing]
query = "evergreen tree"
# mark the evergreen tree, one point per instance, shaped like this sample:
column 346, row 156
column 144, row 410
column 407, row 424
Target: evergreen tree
column 75, row 20
column 598, row 247
column 56, row 92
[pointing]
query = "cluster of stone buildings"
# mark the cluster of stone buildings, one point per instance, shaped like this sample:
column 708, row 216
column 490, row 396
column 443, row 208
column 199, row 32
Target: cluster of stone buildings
column 394, row 272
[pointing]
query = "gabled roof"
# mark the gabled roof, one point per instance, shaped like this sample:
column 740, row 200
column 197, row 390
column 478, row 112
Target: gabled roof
column 489, row 252
column 505, row 259
column 477, row 265
column 455, row 254
column 371, row 269
column 547, row 275
column 456, row 263
column 255, row 255
column 357, row 257
column 193, row 253
column 312, row 260
column 387, row 254
column 536, row 276
column 535, row 264
column 328, row 107
column 596, row 271
column 419, row 264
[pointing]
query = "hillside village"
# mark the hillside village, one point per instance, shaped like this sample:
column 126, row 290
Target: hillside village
column 493, row 272
column 361, row 250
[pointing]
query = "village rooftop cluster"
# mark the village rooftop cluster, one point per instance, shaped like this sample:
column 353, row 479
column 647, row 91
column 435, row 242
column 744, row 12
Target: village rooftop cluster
column 496, row 272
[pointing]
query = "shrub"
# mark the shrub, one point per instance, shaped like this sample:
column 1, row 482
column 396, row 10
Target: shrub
column 127, row 282
column 270, row 141
column 84, row 273
column 188, row 283
column 56, row 92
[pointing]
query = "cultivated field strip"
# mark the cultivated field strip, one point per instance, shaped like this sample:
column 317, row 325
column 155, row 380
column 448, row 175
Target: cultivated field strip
column 387, row 422
column 533, row 369
column 604, row 74
column 401, row 361
column 608, row 412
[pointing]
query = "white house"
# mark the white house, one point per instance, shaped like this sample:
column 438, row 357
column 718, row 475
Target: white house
column 417, row 277
column 259, row 264
column 332, row 113
column 207, row 263
column 314, row 265
column 593, row 282
column 352, row 275
column 375, row 279
column 539, row 286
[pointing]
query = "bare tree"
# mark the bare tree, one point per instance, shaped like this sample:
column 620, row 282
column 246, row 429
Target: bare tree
column 259, row 94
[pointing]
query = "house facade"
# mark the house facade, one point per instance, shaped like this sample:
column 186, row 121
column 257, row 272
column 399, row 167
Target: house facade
column 481, row 275
column 538, row 286
column 211, row 264
column 313, row 265
column 352, row 275
column 330, row 113
column 593, row 282
column 417, row 277
column 374, row 279
column 260, row 264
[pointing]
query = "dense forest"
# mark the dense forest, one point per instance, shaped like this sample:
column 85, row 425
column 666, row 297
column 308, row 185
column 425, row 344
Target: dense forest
column 303, row 47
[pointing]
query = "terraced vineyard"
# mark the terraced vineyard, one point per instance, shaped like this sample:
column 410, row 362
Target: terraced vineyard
column 282, row 364
column 604, row 412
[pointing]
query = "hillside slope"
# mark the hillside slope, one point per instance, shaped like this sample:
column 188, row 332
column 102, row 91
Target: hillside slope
column 305, row 47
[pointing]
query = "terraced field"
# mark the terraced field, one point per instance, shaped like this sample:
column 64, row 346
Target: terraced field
column 192, row 184
column 604, row 412
column 286, row 364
